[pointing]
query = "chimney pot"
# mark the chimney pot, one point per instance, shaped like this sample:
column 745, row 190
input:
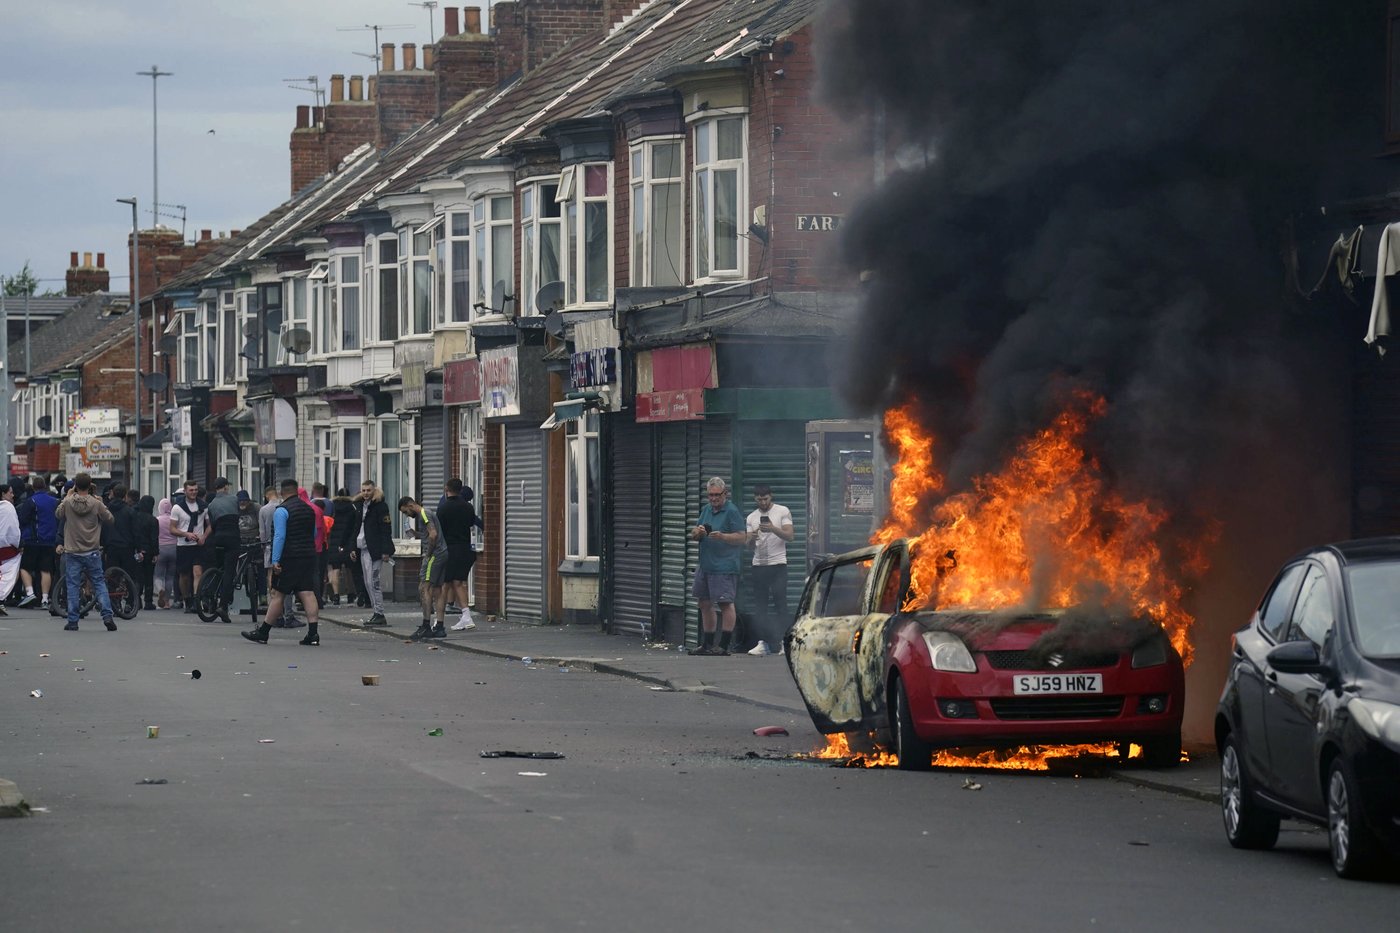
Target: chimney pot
column 72, row 260
column 337, row 88
column 410, row 56
column 449, row 20
column 234, row 232
column 429, row 54
column 371, row 85
column 316, row 116
column 472, row 15
column 357, row 87
column 386, row 57
column 101, row 260
column 303, row 116
column 87, row 260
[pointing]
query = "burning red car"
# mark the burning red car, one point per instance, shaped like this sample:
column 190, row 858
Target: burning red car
column 939, row 679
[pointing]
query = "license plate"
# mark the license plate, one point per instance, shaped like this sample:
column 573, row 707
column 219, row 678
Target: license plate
column 1035, row 684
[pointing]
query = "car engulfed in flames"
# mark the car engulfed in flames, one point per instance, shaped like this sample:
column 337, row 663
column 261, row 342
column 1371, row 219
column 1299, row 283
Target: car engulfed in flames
column 925, row 642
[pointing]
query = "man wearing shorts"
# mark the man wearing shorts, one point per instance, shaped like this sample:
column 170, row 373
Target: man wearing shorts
column 720, row 531
column 188, row 518
column 38, row 556
column 456, row 519
column 434, row 549
column 295, row 569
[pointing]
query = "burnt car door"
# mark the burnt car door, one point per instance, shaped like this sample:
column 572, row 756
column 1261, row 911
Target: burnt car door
column 821, row 646
column 1252, row 644
column 1291, row 700
column 889, row 589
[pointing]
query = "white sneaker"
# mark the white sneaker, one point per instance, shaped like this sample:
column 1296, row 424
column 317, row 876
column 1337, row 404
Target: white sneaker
column 760, row 650
column 464, row 624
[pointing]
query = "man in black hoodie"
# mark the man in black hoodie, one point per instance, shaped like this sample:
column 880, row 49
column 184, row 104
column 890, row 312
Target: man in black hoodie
column 117, row 541
column 146, row 534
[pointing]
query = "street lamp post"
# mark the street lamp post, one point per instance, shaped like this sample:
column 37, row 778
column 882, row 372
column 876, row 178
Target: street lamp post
column 155, row 74
column 136, row 328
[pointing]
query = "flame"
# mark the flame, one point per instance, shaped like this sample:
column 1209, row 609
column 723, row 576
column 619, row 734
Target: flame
column 1048, row 530
column 1025, row 758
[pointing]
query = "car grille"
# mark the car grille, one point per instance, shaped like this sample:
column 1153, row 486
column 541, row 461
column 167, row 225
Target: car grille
column 1057, row 707
column 1035, row 661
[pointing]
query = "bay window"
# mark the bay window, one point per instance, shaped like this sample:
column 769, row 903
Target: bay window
column 491, row 229
column 296, row 314
column 586, row 194
column 719, row 195
column 209, row 341
column 384, row 278
column 581, row 482
column 316, row 289
column 458, row 308
column 394, row 463
column 189, row 345
column 540, row 230
column 657, row 213
column 416, row 280
column 347, row 301
column 269, row 302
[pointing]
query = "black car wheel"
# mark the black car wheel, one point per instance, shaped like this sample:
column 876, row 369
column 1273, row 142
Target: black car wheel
column 1247, row 824
column 1162, row 752
column 1355, row 849
column 914, row 753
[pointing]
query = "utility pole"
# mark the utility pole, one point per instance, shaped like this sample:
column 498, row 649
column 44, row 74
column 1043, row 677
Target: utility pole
column 155, row 74
column 131, row 479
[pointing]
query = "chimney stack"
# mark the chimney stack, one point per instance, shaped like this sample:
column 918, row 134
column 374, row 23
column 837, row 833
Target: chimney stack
column 87, row 260
column 386, row 57
column 101, row 260
column 337, row 88
column 206, row 234
column 449, row 21
column 371, row 85
column 84, row 279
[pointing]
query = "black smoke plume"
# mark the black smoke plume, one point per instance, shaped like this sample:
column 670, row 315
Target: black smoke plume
column 1095, row 194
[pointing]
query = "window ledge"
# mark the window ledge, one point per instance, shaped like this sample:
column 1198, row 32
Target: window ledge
column 585, row 566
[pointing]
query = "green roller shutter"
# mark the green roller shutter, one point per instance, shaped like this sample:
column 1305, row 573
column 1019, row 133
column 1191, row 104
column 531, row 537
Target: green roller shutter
column 688, row 453
column 632, row 531
column 774, row 453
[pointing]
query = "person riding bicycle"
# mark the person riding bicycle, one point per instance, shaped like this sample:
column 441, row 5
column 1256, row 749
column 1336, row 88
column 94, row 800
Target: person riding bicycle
column 223, row 535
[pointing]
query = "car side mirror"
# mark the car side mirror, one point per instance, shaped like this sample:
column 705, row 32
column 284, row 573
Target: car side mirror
column 1299, row 657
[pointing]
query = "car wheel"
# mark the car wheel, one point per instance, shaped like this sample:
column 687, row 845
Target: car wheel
column 1162, row 751
column 914, row 753
column 1355, row 849
column 1247, row 824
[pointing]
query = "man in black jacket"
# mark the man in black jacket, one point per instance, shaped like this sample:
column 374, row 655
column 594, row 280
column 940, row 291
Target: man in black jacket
column 345, row 573
column 458, row 518
column 146, row 534
column 293, row 564
column 373, row 542
column 116, row 537
column 223, row 538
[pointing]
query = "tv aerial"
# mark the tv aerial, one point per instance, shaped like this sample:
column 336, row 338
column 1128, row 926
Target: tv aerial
column 376, row 28
column 301, row 84
column 430, row 6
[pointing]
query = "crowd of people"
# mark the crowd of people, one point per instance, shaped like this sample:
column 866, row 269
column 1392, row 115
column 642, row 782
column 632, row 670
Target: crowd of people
column 312, row 548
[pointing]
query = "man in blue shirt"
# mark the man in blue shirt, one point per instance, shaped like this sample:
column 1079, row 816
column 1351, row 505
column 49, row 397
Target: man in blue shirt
column 294, row 567
column 722, row 535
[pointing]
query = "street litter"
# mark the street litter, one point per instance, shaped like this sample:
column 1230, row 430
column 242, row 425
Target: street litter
column 662, row 689
column 291, row 667
column 970, row 784
column 242, row 673
column 369, row 680
column 434, row 648
column 1138, row 842
column 4, row 652
column 37, row 694
column 563, row 669
column 434, row 732
column 179, row 657
column 506, row 753
column 388, row 660
column 770, row 730
column 153, row 732
column 195, row 674
column 43, row 656
column 153, row 781
column 266, row 741
column 479, row 683
column 532, row 773
column 527, row 660
column 79, row 668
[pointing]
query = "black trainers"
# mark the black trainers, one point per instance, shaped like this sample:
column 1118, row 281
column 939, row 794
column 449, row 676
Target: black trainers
column 312, row 638
column 111, row 625
column 421, row 632
column 439, row 631
column 258, row 634
column 377, row 619
column 704, row 650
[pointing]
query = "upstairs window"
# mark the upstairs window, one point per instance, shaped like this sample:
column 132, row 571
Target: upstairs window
column 228, row 338
column 269, row 301
column 457, row 309
column 385, row 276
column 316, row 291
column 658, row 210
column 541, row 225
column 189, row 345
column 297, row 313
column 720, row 196
column 416, row 280
column 347, row 300
column 586, row 194
column 492, row 270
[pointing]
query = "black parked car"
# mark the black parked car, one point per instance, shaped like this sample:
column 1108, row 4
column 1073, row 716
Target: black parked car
column 1308, row 726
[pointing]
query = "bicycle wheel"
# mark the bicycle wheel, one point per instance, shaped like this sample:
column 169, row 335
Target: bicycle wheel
column 121, row 589
column 206, row 595
column 58, row 598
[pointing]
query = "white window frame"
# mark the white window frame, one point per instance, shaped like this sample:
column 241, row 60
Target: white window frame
column 247, row 311
column 581, row 475
column 404, row 449
column 493, row 218
column 296, row 311
column 541, row 216
column 227, row 333
column 416, row 280
column 345, row 280
column 208, row 340
column 456, row 307
column 189, row 345
column 231, row 463
column 704, row 137
column 573, row 195
column 316, row 289
column 379, row 266
column 645, row 184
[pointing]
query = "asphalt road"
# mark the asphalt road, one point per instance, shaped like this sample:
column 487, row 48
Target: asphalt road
column 354, row 818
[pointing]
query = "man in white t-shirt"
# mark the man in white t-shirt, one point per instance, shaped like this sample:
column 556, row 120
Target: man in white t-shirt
column 770, row 529
column 189, row 520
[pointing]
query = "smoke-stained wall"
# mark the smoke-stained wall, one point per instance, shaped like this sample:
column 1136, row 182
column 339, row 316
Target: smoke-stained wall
column 1096, row 194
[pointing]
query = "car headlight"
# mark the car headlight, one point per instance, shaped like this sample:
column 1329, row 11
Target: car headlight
column 1381, row 721
column 948, row 653
column 1151, row 652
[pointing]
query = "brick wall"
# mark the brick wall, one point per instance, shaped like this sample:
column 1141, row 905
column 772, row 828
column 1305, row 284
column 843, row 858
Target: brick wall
column 112, row 390
column 405, row 100
column 465, row 63
column 492, row 507
column 87, row 278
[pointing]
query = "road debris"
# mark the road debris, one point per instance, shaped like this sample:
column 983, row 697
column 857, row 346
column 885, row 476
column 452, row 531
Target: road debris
column 179, row 657
column 291, row 667
column 153, row 732
column 434, row 648
column 970, row 784
column 43, row 655
column 369, row 680
column 525, row 660
column 79, row 668
column 153, row 781
column 506, row 753
column 1138, row 842
column 435, row 731
column 532, row 773
column 770, row 730
column 37, row 694
column 266, row 741
column 195, row 674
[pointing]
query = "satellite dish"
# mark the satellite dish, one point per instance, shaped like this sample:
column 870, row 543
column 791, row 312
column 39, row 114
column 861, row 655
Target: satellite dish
column 251, row 328
column 554, row 324
column 169, row 344
column 498, row 297
column 156, row 382
column 250, row 349
column 296, row 339
column 68, row 386
column 549, row 298
column 44, row 422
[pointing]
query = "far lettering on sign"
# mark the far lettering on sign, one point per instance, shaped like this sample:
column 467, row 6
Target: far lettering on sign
column 818, row 223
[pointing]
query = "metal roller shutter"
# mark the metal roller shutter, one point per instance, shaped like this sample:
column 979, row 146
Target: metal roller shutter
column 774, row 453
column 632, row 528
column 689, row 453
column 432, row 456
column 524, row 523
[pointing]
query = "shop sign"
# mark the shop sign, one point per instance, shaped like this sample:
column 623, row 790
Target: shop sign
column 104, row 448
column 461, row 382
column 19, row 464
column 671, row 405
column 858, row 482
column 500, row 382
column 818, row 223
column 87, row 423
column 415, row 385
column 182, row 427
column 591, row 368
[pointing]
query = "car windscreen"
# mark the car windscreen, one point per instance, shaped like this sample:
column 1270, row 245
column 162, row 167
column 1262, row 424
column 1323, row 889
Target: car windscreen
column 1375, row 601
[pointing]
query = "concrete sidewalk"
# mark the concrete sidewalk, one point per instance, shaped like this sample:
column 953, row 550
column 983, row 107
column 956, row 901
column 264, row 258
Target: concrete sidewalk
column 763, row 682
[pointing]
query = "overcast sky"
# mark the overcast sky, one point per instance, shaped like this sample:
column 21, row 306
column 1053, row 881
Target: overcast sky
column 76, row 116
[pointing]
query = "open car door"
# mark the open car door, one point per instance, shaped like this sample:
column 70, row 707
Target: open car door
column 822, row 646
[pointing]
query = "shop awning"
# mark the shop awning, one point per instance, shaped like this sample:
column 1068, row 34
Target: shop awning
column 564, row 412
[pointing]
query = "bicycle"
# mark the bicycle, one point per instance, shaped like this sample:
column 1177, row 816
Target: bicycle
column 246, row 576
column 121, row 590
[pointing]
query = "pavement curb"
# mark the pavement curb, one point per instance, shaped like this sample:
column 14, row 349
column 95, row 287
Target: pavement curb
column 1162, row 784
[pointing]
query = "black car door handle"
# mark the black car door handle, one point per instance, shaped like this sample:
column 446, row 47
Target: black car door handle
column 1273, row 676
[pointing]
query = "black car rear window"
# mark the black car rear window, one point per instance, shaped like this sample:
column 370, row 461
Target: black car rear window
column 1375, row 601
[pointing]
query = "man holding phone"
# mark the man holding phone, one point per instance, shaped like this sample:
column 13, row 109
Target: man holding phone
column 769, row 531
